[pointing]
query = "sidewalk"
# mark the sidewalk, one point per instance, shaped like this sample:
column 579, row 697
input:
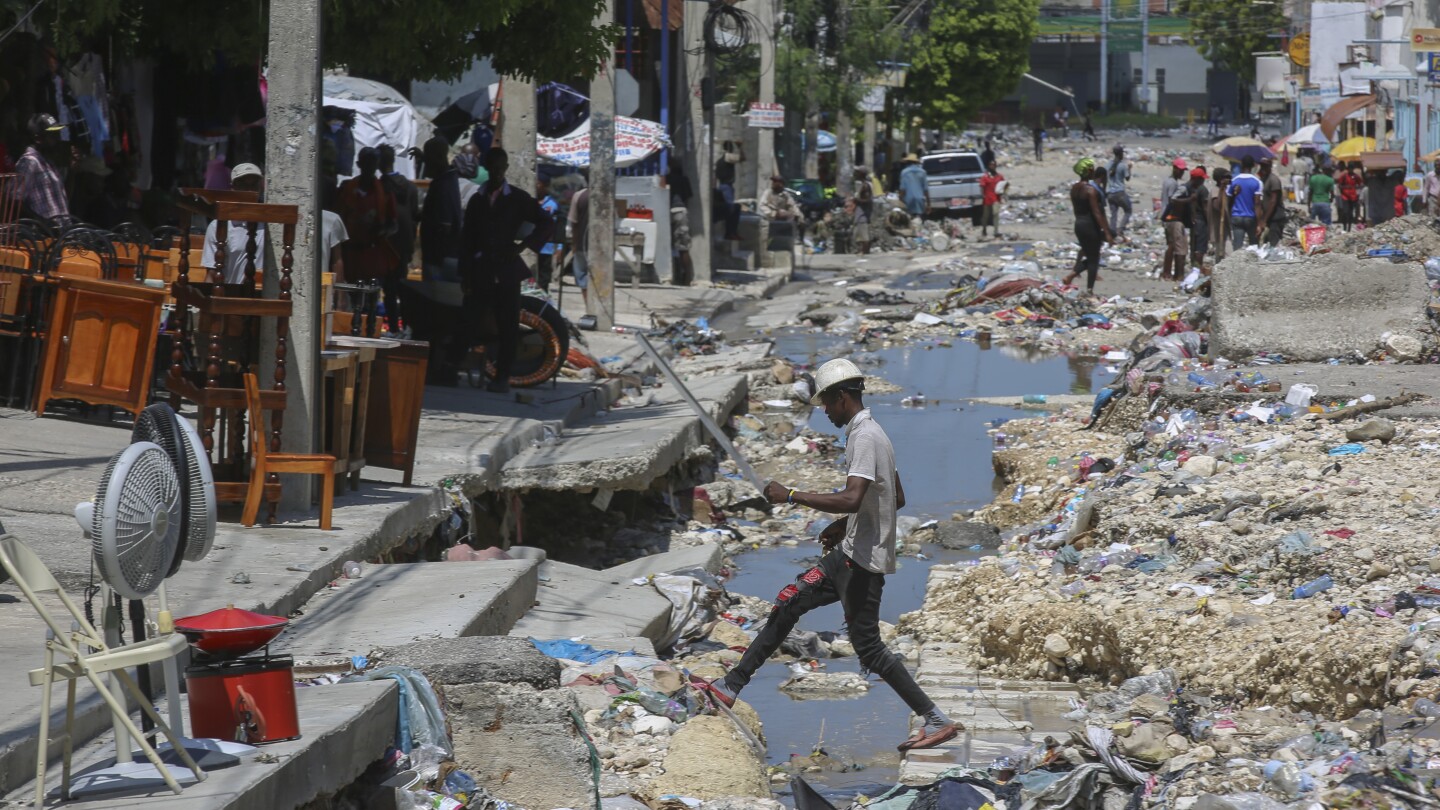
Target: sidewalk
column 49, row 465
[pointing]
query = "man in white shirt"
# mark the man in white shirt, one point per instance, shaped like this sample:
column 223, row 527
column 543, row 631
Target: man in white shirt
column 244, row 177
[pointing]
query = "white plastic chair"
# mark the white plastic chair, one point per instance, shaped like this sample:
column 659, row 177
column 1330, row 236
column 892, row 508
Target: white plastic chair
column 81, row 652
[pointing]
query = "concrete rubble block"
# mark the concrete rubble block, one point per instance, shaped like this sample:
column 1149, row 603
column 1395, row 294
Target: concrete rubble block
column 1323, row 306
column 708, row 759
column 960, row 534
column 476, row 659
column 710, row 557
column 521, row 744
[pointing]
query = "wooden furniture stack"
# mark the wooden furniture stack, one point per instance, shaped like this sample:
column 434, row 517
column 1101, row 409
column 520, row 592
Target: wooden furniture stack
column 218, row 338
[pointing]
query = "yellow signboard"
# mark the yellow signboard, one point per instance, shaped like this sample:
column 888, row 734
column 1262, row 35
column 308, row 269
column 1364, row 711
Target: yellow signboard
column 1424, row 39
column 1300, row 50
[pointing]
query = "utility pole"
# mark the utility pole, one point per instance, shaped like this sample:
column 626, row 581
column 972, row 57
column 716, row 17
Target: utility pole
column 1145, row 56
column 602, row 188
column 292, row 177
column 870, row 137
column 1104, row 56
column 765, row 148
column 700, row 162
column 517, row 131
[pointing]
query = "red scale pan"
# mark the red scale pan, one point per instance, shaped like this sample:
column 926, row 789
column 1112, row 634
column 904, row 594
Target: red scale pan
column 230, row 632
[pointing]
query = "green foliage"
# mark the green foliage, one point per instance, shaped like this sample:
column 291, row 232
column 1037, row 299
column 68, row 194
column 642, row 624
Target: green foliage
column 829, row 48
column 970, row 54
column 1230, row 32
column 399, row 39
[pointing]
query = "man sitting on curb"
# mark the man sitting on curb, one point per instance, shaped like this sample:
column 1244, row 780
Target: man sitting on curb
column 859, row 552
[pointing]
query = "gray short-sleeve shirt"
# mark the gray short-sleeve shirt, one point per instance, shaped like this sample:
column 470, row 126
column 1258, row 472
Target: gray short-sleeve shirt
column 870, row 532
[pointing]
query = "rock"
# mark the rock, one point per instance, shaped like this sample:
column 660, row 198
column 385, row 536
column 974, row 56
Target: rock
column 1203, row 466
column 1238, row 526
column 1378, row 570
column 654, row 724
column 826, row 682
column 520, row 744
column 476, row 659
column 708, row 759
column 842, row 648
column 729, row 634
column 1381, row 430
column 960, row 535
column 783, row 373
column 1365, row 554
column 1404, row 347
column 1434, row 565
column 1146, row 743
column 1056, row 648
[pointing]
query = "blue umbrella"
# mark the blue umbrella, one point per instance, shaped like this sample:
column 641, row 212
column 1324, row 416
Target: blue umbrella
column 1239, row 147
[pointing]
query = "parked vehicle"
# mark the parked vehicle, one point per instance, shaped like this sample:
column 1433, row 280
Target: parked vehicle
column 954, row 183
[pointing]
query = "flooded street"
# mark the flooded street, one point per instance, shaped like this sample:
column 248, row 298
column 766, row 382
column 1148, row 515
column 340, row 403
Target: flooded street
column 944, row 453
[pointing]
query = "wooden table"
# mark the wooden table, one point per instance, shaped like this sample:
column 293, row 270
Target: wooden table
column 349, row 446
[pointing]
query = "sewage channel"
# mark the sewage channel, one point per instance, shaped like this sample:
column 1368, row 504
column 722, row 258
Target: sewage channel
column 944, row 454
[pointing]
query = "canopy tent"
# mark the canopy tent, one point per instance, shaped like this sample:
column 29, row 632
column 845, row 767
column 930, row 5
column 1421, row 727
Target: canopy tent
column 635, row 140
column 1339, row 111
column 382, row 115
column 1306, row 137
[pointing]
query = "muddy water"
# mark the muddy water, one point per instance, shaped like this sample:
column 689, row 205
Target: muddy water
column 944, row 455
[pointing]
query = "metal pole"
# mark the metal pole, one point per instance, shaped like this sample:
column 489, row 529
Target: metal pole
column 1104, row 56
column 1145, row 56
column 665, row 82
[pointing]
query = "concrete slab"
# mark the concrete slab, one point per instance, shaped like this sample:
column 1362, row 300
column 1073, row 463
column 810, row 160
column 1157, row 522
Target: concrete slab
column 476, row 659
column 391, row 605
column 577, row 602
column 345, row 727
column 624, row 448
column 710, row 557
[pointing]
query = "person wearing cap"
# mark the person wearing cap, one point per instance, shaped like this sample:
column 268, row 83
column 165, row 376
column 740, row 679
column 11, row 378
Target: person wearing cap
column 244, row 177
column 40, row 188
column 1116, row 192
column 776, row 204
column 990, row 184
column 914, row 186
column 1177, row 224
column 1199, row 217
column 1272, row 215
column 859, row 551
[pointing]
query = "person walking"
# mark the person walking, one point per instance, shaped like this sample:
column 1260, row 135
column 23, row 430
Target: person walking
column 914, row 188
column 1038, row 134
column 859, row 551
column 1432, row 191
column 864, row 197
column 1091, row 228
column 499, row 221
column 1176, row 218
column 1243, row 191
column 1089, row 126
column 990, row 185
column 407, row 215
column 1322, row 195
column 1116, row 191
column 545, row 257
column 1348, row 204
column 1272, row 215
column 1199, row 218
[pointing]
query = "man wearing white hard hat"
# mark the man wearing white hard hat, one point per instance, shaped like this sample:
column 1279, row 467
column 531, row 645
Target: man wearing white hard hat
column 859, row 552
column 244, row 177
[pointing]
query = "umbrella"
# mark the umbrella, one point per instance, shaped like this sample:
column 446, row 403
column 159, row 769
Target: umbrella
column 1239, row 147
column 1305, row 137
column 1431, row 156
column 1350, row 149
column 477, row 105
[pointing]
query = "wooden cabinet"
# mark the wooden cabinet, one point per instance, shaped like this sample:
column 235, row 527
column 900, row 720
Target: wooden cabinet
column 101, row 344
column 397, row 393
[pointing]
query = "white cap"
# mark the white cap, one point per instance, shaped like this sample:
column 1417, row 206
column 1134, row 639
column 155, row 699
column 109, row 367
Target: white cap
column 245, row 170
column 832, row 374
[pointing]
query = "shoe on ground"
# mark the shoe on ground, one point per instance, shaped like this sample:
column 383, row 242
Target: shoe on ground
column 714, row 691
column 925, row 737
column 498, row 387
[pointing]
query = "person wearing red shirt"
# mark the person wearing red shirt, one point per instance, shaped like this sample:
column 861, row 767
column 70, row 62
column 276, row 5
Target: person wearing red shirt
column 1348, row 184
column 1402, row 200
column 990, row 199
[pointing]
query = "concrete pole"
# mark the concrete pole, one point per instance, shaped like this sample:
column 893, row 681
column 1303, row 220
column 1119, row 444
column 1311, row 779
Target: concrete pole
column 765, row 153
column 700, row 161
column 517, row 131
column 292, row 177
column 1145, row 57
column 602, row 189
column 1104, row 56
column 870, row 144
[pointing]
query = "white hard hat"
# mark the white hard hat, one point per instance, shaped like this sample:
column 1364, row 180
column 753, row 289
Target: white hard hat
column 832, row 374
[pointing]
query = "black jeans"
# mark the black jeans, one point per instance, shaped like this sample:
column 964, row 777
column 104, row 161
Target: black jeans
column 1088, row 232
column 498, row 293
column 836, row 579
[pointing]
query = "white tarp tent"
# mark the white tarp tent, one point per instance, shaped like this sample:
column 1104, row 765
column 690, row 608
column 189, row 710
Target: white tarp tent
column 382, row 115
column 635, row 140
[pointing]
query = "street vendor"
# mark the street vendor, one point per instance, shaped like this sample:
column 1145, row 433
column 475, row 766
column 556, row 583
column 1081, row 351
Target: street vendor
column 859, row 552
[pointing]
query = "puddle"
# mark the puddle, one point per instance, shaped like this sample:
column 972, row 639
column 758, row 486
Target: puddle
column 944, row 456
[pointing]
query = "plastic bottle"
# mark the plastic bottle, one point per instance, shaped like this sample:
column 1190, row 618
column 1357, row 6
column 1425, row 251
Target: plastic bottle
column 1284, row 777
column 1073, row 589
column 1034, row 399
column 1019, row 493
column 1199, row 380
column 999, row 441
column 352, row 569
column 1313, row 587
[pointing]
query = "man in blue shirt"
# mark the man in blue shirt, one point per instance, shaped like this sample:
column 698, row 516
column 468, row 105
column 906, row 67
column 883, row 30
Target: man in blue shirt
column 913, row 188
column 545, row 258
column 1243, row 191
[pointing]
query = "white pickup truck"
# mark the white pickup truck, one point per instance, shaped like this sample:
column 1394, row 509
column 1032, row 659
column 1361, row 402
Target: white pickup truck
column 953, row 180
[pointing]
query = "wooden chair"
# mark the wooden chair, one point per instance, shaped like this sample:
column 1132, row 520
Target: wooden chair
column 267, row 462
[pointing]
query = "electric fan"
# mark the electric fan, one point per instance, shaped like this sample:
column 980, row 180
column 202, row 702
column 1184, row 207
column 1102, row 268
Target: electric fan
column 160, row 424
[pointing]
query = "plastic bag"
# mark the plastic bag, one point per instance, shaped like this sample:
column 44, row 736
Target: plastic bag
column 1237, row 801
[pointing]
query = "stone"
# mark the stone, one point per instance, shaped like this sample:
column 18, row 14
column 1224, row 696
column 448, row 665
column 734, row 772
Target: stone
column 520, row 744
column 1203, row 466
column 1056, row 648
column 1404, row 347
column 826, row 682
column 1378, row 570
column 782, row 371
column 708, row 759
column 1365, row 554
column 959, row 535
column 1381, row 430
column 1146, row 743
column 729, row 634
column 476, row 659
column 1238, row 526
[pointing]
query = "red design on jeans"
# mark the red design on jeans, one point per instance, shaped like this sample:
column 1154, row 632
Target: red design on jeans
column 787, row 593
column 813, row 576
